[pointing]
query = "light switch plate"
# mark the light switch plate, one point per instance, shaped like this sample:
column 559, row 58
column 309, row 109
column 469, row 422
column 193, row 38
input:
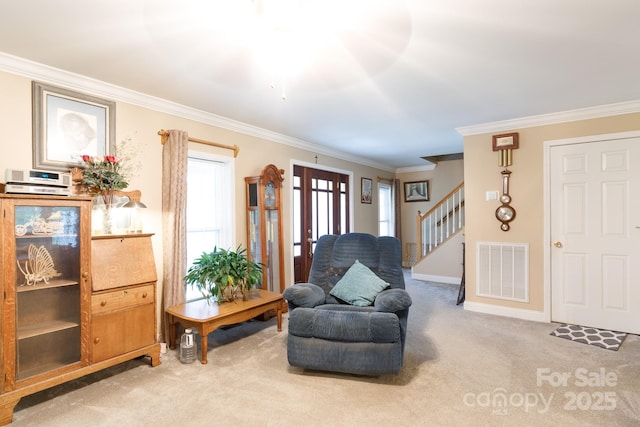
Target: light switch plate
column 491, row 195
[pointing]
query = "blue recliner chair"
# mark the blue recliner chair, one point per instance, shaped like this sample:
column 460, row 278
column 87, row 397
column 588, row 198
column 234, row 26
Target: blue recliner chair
column 364, row 333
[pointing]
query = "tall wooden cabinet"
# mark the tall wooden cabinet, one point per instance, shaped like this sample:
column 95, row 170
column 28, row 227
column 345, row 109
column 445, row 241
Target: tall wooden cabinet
column 264, row 225
column 55, row 325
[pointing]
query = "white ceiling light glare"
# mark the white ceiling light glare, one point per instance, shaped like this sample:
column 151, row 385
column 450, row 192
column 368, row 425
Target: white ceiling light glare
column 288, row 34
column 280, row 46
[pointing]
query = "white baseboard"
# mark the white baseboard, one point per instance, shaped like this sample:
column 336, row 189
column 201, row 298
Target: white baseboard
column 517, row 313
column 439, row 279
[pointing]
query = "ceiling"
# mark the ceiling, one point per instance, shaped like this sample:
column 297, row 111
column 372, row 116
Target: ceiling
column 386, row 80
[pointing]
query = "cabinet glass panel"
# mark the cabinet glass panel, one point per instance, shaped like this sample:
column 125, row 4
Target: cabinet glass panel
column 47, row 241
column 255, row 252
column 273, row 251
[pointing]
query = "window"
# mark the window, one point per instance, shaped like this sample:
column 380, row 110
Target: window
column 209, row 207
column 386, row 208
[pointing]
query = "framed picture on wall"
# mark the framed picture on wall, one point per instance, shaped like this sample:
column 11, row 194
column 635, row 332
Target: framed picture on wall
column 367, row 194
column 67, row 125
column 416, row 191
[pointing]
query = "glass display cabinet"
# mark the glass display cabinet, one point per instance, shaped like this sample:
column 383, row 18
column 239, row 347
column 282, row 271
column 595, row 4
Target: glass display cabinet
column 264, row 225
column 69, row 299
column 46, row 272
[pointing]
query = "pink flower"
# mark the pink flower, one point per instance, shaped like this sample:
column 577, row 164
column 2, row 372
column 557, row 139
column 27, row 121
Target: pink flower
column 103, row 173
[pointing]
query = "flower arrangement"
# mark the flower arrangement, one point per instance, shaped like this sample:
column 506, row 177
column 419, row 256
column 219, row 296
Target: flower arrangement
column 103, row 175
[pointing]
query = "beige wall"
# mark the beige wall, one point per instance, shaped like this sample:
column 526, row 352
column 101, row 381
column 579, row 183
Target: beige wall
column 445, row 177
column 142, row 125
column 482, row 173
column 479, row 169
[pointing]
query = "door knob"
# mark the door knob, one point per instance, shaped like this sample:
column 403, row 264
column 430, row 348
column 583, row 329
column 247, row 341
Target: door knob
column 310, row 241
column 557, row 244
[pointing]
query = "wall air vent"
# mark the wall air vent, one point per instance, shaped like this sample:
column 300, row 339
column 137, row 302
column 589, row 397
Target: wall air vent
column 503, row 271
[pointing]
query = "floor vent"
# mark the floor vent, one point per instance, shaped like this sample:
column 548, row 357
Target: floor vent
column 503, row 271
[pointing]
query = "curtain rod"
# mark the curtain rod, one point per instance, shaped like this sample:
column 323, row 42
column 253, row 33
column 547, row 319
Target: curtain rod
column 165, row 134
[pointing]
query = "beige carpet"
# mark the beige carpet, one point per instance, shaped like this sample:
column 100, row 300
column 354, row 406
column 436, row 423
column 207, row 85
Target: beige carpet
column 461, row 369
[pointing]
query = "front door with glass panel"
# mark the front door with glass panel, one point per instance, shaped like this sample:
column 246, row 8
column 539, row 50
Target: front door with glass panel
column 320, row 206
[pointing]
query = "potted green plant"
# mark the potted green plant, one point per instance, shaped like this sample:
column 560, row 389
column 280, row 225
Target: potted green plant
column 222, row 274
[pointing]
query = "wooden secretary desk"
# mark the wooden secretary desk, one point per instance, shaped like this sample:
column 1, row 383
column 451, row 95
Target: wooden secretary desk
column 69, row 300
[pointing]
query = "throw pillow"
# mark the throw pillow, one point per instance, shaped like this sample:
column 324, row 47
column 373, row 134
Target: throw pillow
column 359, row 286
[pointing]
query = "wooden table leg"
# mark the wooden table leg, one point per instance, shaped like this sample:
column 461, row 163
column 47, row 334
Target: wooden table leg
column 204, row 343
column 279, row 315
column 172, row 332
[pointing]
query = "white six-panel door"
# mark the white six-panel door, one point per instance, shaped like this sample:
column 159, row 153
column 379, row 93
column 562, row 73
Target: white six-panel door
column 595, row 234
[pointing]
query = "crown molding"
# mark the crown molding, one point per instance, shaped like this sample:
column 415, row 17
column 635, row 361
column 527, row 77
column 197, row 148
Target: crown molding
column 422, row 168
column 55, row 76
column 552, row 118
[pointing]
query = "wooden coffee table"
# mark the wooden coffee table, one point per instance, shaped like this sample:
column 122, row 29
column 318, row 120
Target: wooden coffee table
column 207, row 317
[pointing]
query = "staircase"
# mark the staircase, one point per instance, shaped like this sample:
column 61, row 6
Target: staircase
column 439, row 224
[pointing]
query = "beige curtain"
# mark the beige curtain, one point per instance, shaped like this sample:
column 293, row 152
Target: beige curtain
column 395, row 183
column 174, row 210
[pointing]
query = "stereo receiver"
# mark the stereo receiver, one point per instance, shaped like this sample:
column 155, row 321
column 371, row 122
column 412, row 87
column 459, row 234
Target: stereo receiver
column 32, row 176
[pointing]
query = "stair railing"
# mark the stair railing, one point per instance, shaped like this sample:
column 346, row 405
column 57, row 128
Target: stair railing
column 441, row 222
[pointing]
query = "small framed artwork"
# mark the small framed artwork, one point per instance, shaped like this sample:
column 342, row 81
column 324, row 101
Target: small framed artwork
column 67, row 125
column 367, row 194
column 416, row 191
column 505, row 141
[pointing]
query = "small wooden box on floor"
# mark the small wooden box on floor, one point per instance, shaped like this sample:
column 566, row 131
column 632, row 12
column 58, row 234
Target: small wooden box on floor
column 73, row 304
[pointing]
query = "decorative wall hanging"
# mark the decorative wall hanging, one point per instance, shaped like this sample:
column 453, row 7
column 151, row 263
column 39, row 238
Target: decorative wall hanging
column 366, row 191
column 505, row 143
column 416, row 191
column 68, row 124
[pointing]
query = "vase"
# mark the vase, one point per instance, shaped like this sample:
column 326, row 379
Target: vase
column 107, row 221
column 107, row 211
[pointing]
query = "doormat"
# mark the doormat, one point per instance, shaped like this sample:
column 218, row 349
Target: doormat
column 610, row 340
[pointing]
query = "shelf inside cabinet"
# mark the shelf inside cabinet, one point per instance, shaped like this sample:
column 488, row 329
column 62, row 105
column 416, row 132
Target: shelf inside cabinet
column 54, row 283
column 44, row 367
column 46, row 236
column 43, row 328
